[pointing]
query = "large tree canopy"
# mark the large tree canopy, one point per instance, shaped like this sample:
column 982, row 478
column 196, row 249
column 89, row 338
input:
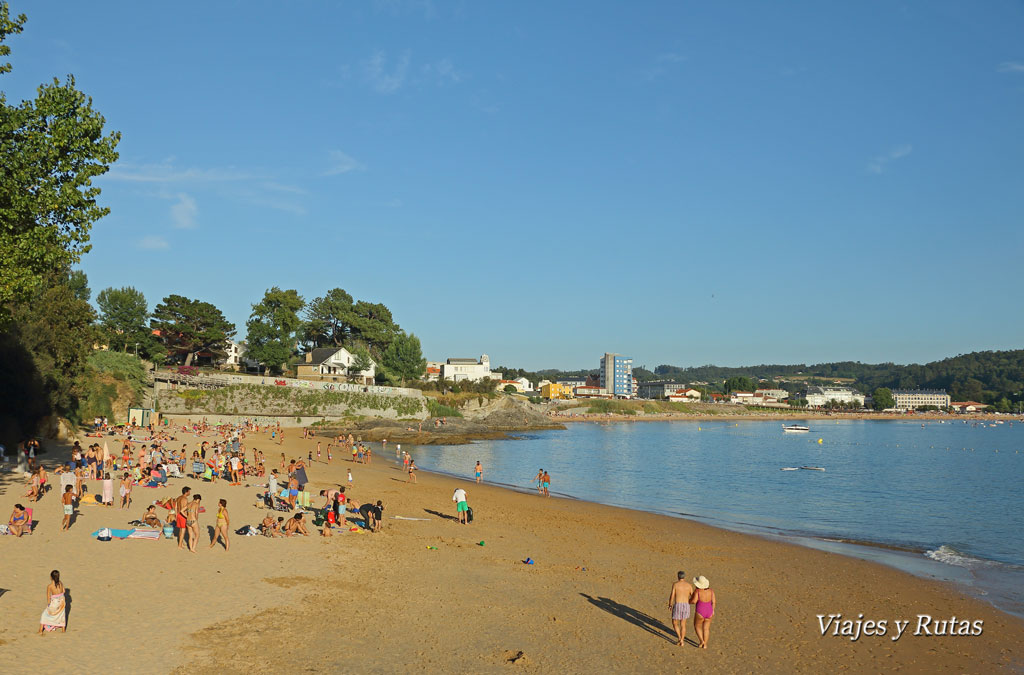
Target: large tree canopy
column 403, row 359
column 188, row 326
column 373, row 326
column 51, row 148
column 123, row 315
column 328, row 319
column 273, row 327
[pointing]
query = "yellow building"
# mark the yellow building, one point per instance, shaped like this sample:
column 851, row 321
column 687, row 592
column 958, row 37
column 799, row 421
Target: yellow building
column 555, row 391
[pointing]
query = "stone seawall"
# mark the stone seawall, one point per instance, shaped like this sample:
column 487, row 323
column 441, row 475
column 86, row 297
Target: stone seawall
column 256, row 400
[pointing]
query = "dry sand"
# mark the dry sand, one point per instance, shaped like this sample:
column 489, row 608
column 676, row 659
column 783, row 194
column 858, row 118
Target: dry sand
column 385, row 602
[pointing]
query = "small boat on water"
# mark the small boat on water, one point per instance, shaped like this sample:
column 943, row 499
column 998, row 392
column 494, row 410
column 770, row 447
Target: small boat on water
column 790, row 468
column 796, row 429
column 813, row 468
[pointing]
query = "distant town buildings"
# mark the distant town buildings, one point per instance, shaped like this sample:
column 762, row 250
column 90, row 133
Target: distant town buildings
column 773, row 394
column 472, row 370
column 616, row 375
column 667, row 390
column 912, row 399
column 573, row 382
column 967, row 406
column 819, row 396
column 687, row 395
column 554, row 391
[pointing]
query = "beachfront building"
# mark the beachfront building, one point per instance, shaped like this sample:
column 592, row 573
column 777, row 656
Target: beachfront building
column 967, row 406
column 912, row 399
column 687, row 395
column 663, row 390
column 616, row 375
column 742, row 398
column 554, row 391
column 433, row 371
column 540, row 385
column 524, row 383
column 573, row 381
column 774, row 394
column 819, row 396
column 234, row 357
column 333, row 363
column 471, row 370
column 592, row 392
column 515, row 384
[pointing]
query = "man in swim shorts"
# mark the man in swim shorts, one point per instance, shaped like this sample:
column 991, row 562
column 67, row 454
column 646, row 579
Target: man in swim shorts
column 679, row 603
column 180, row 515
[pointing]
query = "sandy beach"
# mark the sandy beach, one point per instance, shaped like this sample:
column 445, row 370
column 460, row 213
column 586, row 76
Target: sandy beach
column 596, row 598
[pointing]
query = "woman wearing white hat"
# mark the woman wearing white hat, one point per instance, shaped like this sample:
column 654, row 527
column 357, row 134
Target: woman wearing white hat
column 704, row 599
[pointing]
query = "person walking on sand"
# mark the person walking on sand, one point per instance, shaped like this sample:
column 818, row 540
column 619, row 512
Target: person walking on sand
column 54, row 616
column 546, row 483
column 412, row 471
column 461, row 505
column 180, row 519
column 223, row 523
column 478, row 472
column 703, row 599
column 540, row 481
column 67, row 499
column 679, row 603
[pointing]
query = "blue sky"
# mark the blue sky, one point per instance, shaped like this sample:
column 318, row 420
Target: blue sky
column 685, row 183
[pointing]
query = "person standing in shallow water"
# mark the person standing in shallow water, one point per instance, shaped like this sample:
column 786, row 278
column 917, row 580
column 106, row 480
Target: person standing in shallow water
column 479, row 472
column 679, row 604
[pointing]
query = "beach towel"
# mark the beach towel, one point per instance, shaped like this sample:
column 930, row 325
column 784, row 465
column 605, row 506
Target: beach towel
column 116, row 534
column 300, row 475
column 89, row 498
column 108, row 491
column 304, row 499
column 144, row 533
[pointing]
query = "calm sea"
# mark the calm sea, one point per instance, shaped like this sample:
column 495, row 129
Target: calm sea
column 941, row 500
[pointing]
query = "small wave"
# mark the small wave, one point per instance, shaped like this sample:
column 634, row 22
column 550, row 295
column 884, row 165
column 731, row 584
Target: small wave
column 951, row 556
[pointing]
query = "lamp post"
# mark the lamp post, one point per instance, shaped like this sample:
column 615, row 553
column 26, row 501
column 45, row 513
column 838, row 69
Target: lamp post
column 136, row 350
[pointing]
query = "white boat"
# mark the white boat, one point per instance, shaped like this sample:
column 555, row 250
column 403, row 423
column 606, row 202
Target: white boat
column 790, row 468
column 813, row 468
column 796, row 429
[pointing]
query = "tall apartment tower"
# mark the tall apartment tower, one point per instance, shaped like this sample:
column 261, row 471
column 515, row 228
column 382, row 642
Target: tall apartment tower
column 617, row 375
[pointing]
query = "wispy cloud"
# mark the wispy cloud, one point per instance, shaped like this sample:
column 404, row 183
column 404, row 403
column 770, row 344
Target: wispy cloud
column 879, row 163
column 343, row 163
column 385, row 76
column 1011, row 67
column 442, row 72
column 184, row 212
column 153, row 243
column 167, row 172
column 662, row 64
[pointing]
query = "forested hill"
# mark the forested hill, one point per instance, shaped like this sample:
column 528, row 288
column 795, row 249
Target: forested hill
column 979, row 376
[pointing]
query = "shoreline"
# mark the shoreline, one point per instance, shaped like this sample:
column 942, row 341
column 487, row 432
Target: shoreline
column 910, row 559
column 761, row 416
column 595, row 599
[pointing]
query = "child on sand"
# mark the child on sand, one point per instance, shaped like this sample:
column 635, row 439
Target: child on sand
column 67, row 500
column 126, row 490
column 350, row 477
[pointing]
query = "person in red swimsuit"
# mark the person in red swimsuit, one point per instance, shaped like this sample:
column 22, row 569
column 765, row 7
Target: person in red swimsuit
column 180, row 515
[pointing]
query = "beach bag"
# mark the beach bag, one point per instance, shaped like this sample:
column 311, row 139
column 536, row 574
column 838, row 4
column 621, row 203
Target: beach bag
column 104, row 534
column 168, row 531
column 469, row 514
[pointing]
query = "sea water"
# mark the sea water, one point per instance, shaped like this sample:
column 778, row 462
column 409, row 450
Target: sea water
column 936, row 499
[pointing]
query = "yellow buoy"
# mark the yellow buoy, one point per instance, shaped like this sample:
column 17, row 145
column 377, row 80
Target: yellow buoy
column 820, row 441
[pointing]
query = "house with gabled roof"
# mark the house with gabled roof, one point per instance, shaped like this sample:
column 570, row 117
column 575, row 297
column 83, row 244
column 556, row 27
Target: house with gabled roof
column 334, row 363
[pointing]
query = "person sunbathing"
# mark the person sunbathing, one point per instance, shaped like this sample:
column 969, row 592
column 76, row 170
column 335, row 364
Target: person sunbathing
column 271, row 528
column 19, row 519
column 150, row 518
column 295, row 526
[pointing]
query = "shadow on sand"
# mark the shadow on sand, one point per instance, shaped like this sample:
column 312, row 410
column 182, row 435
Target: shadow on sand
column 635, row 617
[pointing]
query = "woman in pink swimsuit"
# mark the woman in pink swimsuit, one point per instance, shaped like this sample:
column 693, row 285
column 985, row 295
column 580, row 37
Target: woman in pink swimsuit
column 704, row 599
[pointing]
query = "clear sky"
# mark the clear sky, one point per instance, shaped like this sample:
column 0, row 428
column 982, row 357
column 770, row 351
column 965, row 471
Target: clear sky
column 684, row 183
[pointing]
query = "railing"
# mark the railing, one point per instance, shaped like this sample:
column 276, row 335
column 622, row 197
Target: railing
column 204, row 381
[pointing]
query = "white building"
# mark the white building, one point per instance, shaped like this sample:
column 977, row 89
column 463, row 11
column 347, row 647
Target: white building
column 685, row 396
column 540, row 385
column 472, row 370
column 742, row 397
column 235, row 357
column 777, row 394
column 819, row 396
column 573, row 382
column 524, row 383
column 333, row 361
column 912, row 399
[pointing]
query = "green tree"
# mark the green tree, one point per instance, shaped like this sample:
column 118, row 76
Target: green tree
column 79, row 285
column 123, row 316
column 373, row 325
column 273, row 328
column 882, row 399
column 51, row 149
column 328, row 319
column 509, row 389
column 360, row 361
column 403, row 358
column 188, row 326
column 739, row 383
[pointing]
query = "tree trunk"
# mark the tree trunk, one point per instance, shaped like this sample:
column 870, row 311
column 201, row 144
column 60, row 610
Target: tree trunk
column 188, row 359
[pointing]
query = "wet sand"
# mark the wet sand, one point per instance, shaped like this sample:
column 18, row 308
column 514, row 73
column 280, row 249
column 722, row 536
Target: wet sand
column 595, row 600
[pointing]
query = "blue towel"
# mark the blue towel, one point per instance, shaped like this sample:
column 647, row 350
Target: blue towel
column 116, row 534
